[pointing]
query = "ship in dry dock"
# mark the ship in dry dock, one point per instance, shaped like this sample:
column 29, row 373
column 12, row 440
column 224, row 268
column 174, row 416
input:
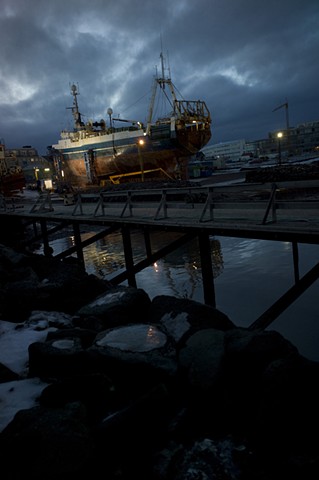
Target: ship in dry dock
column 94, row 153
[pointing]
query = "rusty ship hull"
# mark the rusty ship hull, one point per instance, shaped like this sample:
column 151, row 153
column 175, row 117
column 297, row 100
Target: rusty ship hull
column 95, row 152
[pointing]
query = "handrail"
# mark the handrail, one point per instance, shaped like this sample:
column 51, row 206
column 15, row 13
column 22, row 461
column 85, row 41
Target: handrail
column 256, row 196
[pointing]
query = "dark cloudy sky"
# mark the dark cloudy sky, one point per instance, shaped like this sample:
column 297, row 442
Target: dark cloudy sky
column 243, row 57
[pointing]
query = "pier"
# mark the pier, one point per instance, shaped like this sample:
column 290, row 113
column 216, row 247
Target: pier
column 285, row 211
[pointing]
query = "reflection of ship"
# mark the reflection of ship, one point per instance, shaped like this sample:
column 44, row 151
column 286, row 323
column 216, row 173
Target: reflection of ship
column 11, row 174
column 95, row 151
column 178, row 273
column 182, row 267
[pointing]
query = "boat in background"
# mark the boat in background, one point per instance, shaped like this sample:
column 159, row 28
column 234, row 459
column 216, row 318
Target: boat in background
column 95, row 153
column 12, row 178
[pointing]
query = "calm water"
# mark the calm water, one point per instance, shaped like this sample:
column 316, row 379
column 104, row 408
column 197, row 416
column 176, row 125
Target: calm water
column 250, row 275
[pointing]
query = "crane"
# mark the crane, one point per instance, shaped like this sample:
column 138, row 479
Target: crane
column 287, row 114
column 287, row 123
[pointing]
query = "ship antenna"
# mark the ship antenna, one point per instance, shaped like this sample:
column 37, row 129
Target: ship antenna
column 162, row 59
column 75, row 109
column 163, row 71
column 169, row 67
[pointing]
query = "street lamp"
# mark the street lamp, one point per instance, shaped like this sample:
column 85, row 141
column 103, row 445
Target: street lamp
column 279, row 136
column 140, row 143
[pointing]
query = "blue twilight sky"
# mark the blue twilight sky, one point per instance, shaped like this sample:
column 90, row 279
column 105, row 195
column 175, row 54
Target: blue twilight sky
column 243, row 57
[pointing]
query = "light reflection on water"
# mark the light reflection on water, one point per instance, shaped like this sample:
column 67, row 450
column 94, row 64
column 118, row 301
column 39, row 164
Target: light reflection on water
column 249, row 276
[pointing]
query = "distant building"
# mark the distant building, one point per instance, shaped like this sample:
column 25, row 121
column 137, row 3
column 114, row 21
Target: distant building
column 35, row 167
column 229, row 152
column 303, row 139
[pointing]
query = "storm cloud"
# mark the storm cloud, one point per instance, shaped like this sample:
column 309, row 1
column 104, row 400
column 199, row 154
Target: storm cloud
column 243, row 57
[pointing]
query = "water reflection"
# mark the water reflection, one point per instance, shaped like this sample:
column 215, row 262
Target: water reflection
column 105, row 257
column 249, row 276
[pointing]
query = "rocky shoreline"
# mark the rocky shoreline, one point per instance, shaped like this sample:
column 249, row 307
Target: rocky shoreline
column 168, row 389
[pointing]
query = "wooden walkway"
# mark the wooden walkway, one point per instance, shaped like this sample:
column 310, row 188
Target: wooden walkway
column 287, row 211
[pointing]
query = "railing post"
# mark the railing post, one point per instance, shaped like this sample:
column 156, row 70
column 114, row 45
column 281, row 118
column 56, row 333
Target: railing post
column 163, row 204
column 78, row 205
column 295, row 254
column 47, row 250
column 271, row 204
column 78, row 244
column 147, row 241
column 128, row 204
column 128, row 253
column 208, row 203
column 99, row 204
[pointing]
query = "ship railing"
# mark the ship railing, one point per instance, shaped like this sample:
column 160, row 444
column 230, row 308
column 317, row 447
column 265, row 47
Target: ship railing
column 263, row 202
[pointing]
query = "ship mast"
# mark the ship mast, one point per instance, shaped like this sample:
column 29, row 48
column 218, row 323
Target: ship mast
column 162, row 81
column 150, row 113
column 167, row 80
column 75, row 109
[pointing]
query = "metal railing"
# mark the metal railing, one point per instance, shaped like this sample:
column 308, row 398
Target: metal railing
column 207, row 203
column 206, row 200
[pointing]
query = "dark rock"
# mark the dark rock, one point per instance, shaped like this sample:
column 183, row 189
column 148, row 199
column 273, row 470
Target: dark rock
column 202, row 360
column 205, row 458
column 58, row 358
column 182, row 317
column 95, row 391
column 42, row 283
column 118, row 306
column 136, row 356
column 10, row 258
column 7, row 375
column 46, row 443
column 164, row 390
column 247, row 356
column 20, row 298
column 126, row 434
column 86, row 336
column 88, row 323
column 288, row 405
